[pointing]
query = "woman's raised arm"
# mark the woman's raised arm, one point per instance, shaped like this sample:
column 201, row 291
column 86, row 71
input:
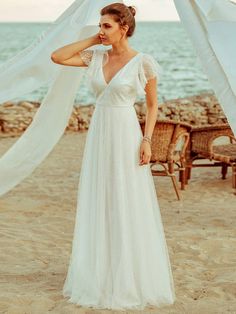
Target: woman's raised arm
column 69, row 54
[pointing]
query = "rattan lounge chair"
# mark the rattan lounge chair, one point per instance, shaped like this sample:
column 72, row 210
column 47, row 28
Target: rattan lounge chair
column 169, row 141
column 201, row 146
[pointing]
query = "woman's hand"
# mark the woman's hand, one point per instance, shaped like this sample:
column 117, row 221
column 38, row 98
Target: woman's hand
column 96, row 39
column 145, row 153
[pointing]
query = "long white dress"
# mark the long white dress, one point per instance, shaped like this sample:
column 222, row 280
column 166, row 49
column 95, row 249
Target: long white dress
column 119, row 256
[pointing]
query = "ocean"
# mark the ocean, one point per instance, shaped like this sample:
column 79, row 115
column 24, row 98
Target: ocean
column 167, row 42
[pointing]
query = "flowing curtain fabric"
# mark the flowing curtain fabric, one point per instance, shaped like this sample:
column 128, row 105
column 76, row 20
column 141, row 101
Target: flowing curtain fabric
column 211, row 26
column 32, row 68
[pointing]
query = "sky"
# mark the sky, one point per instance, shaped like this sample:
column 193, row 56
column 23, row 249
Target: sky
column 49, row 10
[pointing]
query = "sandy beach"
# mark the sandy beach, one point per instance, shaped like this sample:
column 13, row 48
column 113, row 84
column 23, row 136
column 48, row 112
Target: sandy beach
column 37, row 221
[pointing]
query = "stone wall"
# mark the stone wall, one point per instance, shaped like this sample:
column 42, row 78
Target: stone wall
column 197, row 110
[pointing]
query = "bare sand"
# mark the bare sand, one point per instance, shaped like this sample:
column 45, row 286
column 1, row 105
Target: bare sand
column 37, row 221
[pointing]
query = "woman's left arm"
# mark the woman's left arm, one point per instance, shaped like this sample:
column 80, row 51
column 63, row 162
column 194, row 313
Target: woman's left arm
column 150, row 121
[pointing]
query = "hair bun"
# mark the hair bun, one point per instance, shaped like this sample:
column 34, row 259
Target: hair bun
column 132, row 9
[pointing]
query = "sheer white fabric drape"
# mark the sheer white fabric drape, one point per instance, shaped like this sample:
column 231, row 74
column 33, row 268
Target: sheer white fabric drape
column 211, row 26
column 32, row 68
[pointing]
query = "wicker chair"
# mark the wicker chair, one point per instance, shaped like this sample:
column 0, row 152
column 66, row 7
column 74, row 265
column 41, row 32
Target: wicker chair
column 201, row 146
column 169, row 141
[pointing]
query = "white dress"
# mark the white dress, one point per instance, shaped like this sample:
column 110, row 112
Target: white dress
column 119, row 256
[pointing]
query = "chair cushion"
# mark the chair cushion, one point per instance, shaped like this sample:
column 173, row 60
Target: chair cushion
column 225, row 153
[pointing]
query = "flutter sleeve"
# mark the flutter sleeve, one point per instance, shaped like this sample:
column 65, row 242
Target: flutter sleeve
column 148, row 69
column 89, row 58
column 86, row 56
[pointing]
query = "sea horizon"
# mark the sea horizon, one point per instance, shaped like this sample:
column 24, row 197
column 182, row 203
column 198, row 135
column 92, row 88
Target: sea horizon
column 182, row 72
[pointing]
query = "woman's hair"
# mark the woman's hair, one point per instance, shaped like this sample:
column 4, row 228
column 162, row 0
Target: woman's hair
column 123, row 14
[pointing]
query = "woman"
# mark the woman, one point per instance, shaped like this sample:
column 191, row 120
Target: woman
column 119, row 257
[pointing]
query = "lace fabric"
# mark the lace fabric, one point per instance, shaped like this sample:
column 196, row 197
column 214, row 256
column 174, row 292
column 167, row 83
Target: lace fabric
column 86, row 56
column 148, row 69
column 151, row 67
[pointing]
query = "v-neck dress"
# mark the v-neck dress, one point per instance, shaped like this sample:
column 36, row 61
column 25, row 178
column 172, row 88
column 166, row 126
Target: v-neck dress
column 119, row 257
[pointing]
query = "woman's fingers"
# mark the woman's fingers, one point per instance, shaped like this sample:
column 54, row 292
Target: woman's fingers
column 144, row 159
column 144, row 155
column 141, row 155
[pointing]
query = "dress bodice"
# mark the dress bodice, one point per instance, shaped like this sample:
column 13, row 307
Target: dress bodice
column 128, row 83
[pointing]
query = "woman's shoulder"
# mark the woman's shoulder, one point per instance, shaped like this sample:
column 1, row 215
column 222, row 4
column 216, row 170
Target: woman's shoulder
column 90, row 54
column 92, row 50
column 150, row 66
column 148, row 58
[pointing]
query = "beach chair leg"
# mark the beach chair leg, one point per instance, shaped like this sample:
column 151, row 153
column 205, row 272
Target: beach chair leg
column 182, row 175
column 188, row 171
column 187, row 174
column 173, row 178
column 234, row 177
column 224, row 169
column 174, row 181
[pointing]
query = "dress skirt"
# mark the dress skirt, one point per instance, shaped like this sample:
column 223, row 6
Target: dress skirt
column 119, row 256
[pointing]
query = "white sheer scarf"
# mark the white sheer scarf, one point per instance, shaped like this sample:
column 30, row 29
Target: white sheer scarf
column 32, row 68
column 211, row 26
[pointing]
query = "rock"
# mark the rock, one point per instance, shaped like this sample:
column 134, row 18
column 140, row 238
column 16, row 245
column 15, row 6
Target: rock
column 197, row 110
column 8, row 104
column 26, row 105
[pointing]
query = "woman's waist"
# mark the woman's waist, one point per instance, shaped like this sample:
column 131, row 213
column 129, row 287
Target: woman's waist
column 114, row 105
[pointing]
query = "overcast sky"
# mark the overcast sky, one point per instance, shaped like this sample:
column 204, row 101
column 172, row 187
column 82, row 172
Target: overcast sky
column 49, row 10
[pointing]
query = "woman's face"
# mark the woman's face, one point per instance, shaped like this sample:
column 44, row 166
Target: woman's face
column 110, row 31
